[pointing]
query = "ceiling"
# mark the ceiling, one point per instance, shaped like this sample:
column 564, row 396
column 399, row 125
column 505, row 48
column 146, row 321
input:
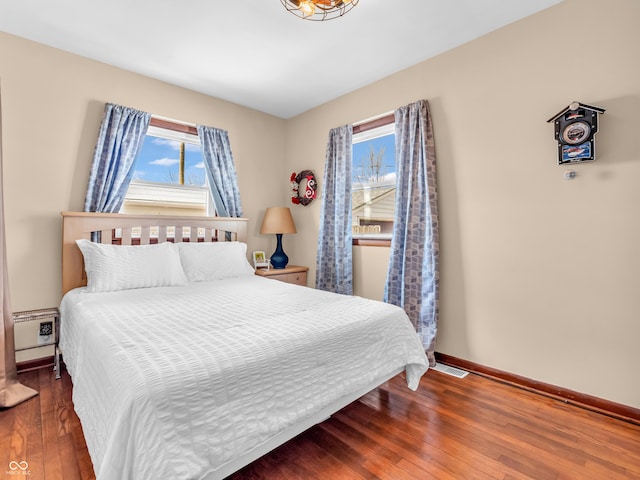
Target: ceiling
column 255, row 53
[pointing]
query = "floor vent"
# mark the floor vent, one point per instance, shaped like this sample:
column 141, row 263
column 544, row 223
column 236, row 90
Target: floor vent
column 453, row 371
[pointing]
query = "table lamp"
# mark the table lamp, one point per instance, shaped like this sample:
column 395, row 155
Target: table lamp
column 278, row 220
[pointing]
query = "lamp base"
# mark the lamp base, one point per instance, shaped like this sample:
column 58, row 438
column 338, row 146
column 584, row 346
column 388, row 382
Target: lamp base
column 279, row 259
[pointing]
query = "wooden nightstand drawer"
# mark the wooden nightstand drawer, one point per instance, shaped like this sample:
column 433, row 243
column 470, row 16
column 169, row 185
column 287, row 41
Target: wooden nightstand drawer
column 299, row 278
column 291, row 274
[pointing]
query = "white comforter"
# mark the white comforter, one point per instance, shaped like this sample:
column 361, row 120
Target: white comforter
column 176, row 382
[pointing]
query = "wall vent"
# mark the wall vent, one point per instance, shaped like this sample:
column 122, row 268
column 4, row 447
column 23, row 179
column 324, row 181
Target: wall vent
column 453, row 371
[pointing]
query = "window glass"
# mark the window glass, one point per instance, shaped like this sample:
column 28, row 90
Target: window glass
column 169, row 176
column 373, row 183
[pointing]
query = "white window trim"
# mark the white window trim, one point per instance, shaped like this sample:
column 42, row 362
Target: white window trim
column 173, row 135
column 367, row 135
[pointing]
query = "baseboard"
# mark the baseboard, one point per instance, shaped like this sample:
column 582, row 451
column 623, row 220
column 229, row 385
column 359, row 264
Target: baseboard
column 34, row 364
column 606, row 407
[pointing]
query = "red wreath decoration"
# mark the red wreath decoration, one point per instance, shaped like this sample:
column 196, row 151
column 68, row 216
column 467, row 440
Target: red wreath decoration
column 309, row 194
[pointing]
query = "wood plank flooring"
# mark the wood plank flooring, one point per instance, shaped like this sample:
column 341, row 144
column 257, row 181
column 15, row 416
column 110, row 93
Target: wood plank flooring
column 451, row 429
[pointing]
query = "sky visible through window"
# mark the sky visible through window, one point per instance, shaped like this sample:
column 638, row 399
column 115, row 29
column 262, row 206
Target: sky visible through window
column 381, row 168
column 159, row 158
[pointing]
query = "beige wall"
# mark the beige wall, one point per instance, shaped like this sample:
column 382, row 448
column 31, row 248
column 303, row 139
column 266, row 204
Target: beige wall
column 52, row 104
column 539, row 274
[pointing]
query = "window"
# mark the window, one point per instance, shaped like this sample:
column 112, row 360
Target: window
column 169, row 176
column 373, row 182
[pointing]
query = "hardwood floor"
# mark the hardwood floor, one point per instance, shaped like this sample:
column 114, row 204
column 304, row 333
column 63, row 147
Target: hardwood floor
column 44, row 432
column 471, row 428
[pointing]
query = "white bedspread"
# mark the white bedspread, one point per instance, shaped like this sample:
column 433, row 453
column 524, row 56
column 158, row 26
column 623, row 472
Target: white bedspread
column 175, row 382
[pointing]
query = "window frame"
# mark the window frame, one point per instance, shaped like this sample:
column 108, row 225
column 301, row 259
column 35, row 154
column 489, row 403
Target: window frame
column 180, row 132
column 167, row 124
column 375, row 123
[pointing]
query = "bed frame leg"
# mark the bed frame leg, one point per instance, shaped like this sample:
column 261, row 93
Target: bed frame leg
column 56, row 362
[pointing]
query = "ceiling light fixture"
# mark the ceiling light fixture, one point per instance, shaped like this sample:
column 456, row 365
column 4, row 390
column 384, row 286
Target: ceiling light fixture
column 319, row 10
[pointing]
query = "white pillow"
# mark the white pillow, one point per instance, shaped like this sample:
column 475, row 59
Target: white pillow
column 122, row 267
column 206, row 261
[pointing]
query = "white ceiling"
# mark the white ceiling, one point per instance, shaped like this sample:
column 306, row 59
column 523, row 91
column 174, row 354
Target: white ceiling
column 255, row 53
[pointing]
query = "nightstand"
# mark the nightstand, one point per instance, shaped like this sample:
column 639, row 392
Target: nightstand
column 290, row 274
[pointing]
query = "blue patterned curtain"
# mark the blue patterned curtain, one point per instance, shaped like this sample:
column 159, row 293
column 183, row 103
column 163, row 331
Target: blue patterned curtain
column 121, row 136
column 334, row 261
column 221, row 172
column 412, row 278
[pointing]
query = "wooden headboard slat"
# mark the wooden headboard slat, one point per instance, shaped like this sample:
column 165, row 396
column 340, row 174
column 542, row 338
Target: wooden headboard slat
column 162, row 234
column 126, row 236
column 79, row 225
column 145, row 235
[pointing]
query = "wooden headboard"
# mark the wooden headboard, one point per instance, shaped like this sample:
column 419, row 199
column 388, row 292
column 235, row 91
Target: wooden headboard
column 115, row 228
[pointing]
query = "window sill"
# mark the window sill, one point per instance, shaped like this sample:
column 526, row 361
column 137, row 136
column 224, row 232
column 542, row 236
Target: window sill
column 371, row 242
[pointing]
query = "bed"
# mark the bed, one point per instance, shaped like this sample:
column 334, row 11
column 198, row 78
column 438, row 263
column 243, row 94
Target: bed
column 194, row 377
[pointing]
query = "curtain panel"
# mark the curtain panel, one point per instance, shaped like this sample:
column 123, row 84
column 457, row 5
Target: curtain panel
column 11, row 391
column 413, row 274
column 120, row 138
column 334, row 260
column 221, row 171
